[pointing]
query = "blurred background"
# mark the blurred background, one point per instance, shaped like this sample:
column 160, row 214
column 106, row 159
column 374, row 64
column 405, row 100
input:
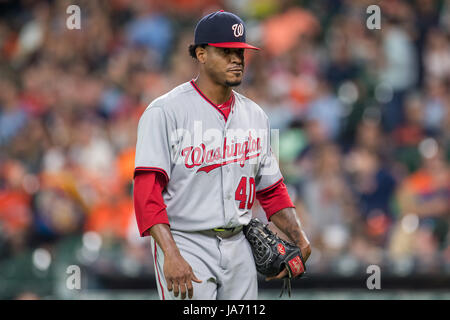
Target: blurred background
column 364, row 138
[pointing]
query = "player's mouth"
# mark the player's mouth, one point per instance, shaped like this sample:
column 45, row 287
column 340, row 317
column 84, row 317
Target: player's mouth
column 236, row 70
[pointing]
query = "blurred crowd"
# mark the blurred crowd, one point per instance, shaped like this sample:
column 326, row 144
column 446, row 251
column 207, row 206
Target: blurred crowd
column 363, row 118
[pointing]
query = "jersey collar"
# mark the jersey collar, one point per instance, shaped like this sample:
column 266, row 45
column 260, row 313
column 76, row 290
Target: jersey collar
column 212, row 103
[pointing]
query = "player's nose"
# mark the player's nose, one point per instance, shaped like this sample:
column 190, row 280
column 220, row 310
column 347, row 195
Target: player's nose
column 237, row 56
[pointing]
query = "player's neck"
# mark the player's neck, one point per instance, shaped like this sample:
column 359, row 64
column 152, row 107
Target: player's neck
column 217, row 93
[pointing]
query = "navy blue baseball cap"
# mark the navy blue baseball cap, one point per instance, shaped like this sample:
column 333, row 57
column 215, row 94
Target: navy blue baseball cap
column 223, row 30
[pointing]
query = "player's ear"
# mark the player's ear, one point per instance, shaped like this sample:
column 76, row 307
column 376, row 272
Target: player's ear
column 201, row 53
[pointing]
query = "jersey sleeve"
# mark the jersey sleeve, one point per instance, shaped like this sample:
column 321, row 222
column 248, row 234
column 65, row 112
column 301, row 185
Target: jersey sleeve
column 148, row 201
column 268, row 175
column 274, row 200
column 153, row 144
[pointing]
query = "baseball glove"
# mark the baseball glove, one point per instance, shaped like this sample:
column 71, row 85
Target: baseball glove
column 272, row 254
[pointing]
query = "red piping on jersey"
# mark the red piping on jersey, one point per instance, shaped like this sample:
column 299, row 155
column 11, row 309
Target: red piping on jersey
column 206, row 98
column 159, row 280
column 270, row 187
column 152, row 169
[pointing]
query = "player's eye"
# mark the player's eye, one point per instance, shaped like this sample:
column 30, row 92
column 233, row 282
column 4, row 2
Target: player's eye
column 228, row 51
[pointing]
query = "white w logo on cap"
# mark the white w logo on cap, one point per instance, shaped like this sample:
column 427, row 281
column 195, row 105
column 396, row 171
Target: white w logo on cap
column 238, row 29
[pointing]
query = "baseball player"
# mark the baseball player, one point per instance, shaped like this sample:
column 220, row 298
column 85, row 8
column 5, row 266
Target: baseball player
column 202, row 158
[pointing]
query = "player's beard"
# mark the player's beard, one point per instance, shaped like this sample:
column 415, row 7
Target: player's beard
column 220, row 78
column 232, row 83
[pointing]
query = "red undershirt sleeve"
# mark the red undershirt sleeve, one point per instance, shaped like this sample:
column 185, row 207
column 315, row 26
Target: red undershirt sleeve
column 274, row 200
column 149, row 206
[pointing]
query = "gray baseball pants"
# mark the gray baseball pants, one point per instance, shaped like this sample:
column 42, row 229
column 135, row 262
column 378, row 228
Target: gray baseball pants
column 225, row 266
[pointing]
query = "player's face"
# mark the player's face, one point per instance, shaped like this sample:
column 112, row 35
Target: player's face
column 225, row 65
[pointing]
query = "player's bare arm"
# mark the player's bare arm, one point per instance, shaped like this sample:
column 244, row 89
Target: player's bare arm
column 289, row 223
column 177, row 271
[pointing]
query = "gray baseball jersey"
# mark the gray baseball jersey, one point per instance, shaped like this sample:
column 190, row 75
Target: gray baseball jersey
column 214, row 166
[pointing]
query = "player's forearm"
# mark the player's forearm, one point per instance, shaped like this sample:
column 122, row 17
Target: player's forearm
column 162, row 235
column 289, row 223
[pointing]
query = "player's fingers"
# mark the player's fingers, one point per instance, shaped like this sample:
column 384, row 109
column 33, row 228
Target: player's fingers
column 306, row 252
column 189, row 284
column 169, row 284
column 190, row 289
column 183, row 289
column 281, row 275
column 176, row 287
column 195, row 279
column 183, row 292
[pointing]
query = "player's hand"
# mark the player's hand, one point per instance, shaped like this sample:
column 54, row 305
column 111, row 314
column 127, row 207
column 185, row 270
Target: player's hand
column 306, row 252
column 179, row 276
column 281, row 275
column 305, row 249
